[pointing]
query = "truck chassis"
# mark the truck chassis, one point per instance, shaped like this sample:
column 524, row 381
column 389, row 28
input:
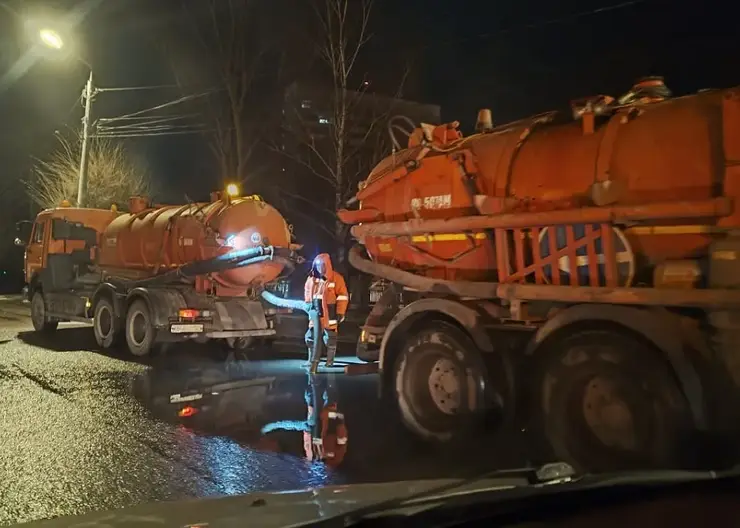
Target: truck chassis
column 146, row 317
column 604, row 377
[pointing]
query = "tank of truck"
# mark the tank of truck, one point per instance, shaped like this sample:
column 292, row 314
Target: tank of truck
column 646, row 148
column 150, row 241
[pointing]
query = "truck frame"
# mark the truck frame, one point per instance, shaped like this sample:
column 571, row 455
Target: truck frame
column 65, row 285
column 602, row 376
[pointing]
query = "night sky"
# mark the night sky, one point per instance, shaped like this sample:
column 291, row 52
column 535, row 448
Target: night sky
column 517, row 58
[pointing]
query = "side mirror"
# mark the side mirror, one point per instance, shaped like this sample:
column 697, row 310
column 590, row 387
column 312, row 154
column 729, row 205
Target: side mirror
column 19, row 242
column 23, row 229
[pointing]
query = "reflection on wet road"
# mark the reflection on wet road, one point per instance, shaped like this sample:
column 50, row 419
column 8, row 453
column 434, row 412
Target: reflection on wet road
column 330, row 424
column 83, row 431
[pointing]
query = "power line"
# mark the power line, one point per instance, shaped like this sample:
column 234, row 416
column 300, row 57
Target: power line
column 135, row 88
column 150, row 128
column 148, row 123
column 152, row 134
column 158, row 128
column 158, row 107
column 144, row 118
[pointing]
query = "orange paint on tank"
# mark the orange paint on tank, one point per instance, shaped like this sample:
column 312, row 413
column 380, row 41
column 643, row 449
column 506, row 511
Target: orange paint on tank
column 642, row 151
column 156, row 240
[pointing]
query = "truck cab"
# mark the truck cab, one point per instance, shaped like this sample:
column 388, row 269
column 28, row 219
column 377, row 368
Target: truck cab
column 60, row 245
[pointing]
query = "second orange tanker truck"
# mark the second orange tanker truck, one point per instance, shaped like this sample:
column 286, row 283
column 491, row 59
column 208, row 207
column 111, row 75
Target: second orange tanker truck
column 576, row 273
column 158, row 274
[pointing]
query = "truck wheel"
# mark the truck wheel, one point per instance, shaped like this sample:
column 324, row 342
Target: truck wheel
column 106, row 325
column 41, row 322
column 607, row 402
column 140, row 331
column 440, row 383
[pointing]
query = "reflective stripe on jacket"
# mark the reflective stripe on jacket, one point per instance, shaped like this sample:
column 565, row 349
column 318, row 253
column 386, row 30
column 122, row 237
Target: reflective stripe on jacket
column 331, row 289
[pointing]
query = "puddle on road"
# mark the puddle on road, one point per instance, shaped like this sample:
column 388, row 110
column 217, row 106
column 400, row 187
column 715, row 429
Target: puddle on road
column 329, row 420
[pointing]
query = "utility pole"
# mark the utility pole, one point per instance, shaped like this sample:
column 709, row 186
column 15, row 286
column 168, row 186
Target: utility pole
column 84, row 152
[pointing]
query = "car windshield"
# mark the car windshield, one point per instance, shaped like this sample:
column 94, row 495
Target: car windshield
column 294, row 259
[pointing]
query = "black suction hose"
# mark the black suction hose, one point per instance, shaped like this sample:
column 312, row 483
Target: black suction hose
column 230, row 260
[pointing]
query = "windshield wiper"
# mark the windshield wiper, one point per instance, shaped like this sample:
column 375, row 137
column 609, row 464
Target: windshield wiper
column 536, row 480
column 500, row 480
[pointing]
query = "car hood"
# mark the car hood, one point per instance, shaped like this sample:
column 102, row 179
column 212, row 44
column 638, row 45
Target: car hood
column 276, row 509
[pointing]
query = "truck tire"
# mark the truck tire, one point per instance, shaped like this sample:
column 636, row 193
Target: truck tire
column 41, row 322
column 605, row 401
column 140, row 332
column 106, row 324
column 433, row 374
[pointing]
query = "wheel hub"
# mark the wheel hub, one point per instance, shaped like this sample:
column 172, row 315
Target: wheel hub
column 608, row 415
column 105, row 322
column 444, row 386
column 138, row 328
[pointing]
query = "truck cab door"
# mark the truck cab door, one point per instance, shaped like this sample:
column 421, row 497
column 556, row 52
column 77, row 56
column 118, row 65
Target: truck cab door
column 36, row 248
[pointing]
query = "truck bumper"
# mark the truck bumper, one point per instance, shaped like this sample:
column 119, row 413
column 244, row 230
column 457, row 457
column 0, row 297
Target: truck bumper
column 226, row 318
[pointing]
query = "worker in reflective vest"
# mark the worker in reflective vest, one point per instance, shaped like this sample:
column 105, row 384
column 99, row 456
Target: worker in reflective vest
column 324, row 429
column 326, row 289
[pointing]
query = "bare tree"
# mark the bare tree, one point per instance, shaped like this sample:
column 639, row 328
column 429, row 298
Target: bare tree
column 232, row 51
column 114, row 176
column 345, row 32
column 338, row 145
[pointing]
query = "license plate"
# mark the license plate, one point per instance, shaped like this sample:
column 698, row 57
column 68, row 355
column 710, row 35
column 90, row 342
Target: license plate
column 177, row 398
column 186, row 328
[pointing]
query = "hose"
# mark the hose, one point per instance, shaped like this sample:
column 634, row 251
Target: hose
column 391, row 127
column 281, row 302
column 477, row 290
column 313, row 316
column 227, row 261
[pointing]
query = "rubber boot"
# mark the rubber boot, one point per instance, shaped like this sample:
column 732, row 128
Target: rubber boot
column 314, row 354
column 330, row 353
column 331, row 350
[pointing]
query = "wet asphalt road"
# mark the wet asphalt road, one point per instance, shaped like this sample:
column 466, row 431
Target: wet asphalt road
column 83, row 431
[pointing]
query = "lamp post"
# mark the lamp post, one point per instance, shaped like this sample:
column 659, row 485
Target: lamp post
column 54, row 41
column 84, row 157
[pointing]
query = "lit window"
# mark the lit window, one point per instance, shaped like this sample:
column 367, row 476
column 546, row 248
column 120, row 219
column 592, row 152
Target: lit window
column 305, row 103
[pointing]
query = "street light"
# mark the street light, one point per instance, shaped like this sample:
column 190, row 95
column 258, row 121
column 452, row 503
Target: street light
column 51, row 39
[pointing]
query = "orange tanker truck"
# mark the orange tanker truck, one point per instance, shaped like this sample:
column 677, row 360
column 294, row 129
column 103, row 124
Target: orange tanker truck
column 158, row 274
column 575, row 273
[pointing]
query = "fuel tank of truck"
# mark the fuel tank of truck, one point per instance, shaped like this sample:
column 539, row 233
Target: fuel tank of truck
column 150, row 241
column 644, row 148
